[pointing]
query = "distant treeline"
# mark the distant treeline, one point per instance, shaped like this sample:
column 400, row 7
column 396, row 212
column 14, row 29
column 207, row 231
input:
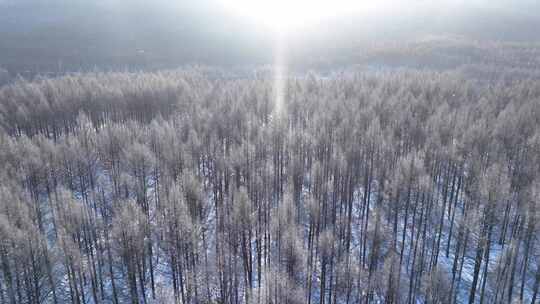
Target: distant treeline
column 4, row 76
column 448, row 53
column 177, row 187
column 435, row 52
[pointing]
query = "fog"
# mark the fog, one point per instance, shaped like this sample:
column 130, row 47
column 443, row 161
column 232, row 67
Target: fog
column 47, row 36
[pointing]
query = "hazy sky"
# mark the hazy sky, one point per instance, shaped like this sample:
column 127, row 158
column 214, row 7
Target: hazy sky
column 37, row 33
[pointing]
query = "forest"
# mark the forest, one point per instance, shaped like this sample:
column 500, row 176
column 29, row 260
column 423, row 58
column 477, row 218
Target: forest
column 188, row 186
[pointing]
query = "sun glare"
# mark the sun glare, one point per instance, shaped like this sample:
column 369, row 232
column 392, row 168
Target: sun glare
column 285, row 15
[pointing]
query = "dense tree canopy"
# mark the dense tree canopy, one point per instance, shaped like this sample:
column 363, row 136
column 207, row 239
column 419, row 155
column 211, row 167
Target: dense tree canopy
column 183, row 187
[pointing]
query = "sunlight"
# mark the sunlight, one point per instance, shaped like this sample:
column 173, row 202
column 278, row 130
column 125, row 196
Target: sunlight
column 290, row 15
column 286, row 17
column 280, row 73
